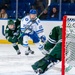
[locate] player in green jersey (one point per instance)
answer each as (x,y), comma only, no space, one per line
(12,33)
(53,48)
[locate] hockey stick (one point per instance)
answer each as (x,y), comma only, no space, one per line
(49,2)
(68,68)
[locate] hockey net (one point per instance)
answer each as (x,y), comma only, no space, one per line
(68,43)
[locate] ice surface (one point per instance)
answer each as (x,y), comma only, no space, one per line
(13,64)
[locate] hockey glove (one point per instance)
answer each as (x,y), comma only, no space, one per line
(43,38)
(16,34)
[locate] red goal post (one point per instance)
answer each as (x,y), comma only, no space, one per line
(63,44)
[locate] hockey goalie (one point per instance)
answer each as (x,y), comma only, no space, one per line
(53,47)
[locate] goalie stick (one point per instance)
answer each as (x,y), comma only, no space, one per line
(49,2)
(68,68)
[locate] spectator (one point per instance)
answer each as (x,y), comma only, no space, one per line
(54,13)
(3,14)
(5,4)
(40,5)
(72,1)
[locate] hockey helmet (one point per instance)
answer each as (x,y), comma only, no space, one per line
(11,22)
(33,11)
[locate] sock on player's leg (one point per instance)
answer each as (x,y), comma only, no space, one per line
(16,48)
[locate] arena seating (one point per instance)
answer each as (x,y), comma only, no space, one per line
(25,5)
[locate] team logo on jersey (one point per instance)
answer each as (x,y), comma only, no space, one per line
(26,19)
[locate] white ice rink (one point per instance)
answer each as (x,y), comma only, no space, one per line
(13,64)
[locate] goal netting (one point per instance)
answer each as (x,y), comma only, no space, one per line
(68,43)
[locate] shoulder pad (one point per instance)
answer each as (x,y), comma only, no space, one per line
(26,18)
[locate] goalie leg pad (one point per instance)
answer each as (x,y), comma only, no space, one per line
(43,63)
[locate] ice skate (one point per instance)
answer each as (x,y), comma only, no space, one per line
(39,71)
(18,52)
(29,51)
(32,52)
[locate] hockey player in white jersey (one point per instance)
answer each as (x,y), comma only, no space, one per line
(35,31)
